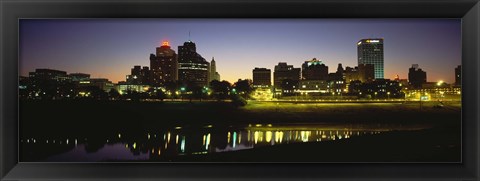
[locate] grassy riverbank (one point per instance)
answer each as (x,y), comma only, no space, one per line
(106,118)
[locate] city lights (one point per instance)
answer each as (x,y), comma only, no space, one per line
(280,101)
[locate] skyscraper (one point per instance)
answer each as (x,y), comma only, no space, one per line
(458,75)
(262,77)
(370,51)
(314,70)
(192,67)
(163,65)
(416,76)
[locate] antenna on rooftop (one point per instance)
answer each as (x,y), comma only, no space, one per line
(189,39)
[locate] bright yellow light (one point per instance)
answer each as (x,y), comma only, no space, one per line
(165,43)
(228,137)
(268,136)
(239,137)
(207,143)
(168,137)
(439,83)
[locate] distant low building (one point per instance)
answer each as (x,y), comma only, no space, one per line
(124,87)
(77,77)
(102,83)
(49,74)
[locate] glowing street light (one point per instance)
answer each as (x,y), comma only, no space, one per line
(439,83)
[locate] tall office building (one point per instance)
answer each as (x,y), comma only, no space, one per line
(416,76)
(163,65)
(262,77)
(370,51)
(192,67)
(214,75)
(314,70)
(458,75)
(286,72)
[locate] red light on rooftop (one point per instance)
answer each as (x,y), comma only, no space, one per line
(165,43)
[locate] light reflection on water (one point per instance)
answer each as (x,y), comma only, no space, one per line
(164,145)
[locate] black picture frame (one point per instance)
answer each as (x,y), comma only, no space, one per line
(11,11)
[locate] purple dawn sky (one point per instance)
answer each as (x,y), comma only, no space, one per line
(109,48)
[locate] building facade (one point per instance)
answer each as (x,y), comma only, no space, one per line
(77,77)
(262,77)
(163,65)
(49,74)
(458,75)
(370,51)
(286,75)
(314,70)
(139,75)
(416,76)
(192,67)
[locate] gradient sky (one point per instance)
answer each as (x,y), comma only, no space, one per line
(109,48)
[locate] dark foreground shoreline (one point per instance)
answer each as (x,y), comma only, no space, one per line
(439,140)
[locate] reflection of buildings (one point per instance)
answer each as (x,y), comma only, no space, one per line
(163,65)
(262,77)
(370,51)
(192,66)
(176,142)
(416,76)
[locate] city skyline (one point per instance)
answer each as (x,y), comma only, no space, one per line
(93,46)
